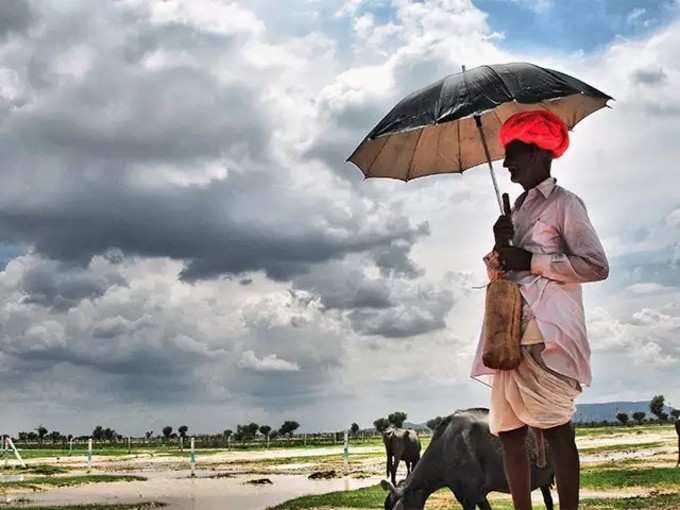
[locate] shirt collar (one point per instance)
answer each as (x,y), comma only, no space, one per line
(546,186)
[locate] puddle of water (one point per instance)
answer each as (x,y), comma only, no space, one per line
(182,492)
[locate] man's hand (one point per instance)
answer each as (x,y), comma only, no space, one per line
(515,259)
(503,231)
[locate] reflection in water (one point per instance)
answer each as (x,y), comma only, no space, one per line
(182,492)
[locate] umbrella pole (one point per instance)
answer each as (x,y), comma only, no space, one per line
(478,121)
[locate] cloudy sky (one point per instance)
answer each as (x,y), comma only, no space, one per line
(181,241)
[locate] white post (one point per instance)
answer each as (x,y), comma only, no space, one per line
(16,452)
(181,443)
(304,438)
(70,446)
(267,440)
(193,458)
(89,454)
(346,453)
(228,442)
(129,449)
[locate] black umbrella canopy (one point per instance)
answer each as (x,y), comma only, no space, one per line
(434,129)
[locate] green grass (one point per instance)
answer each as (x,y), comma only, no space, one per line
(665,501)
(134,506)
(621,447)
(368,497)
(373,498)
(37,453)
(611,430)
(597,478)
(67,481)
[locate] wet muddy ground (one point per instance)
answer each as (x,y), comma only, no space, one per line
(222,477)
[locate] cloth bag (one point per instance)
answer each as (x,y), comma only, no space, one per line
(502,317)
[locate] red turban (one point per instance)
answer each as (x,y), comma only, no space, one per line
(540,127)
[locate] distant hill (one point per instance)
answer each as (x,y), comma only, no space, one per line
(606,411)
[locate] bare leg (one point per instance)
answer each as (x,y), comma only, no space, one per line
(567,464)
(516,463)
(395,467)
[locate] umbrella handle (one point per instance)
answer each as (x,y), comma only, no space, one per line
(478,121)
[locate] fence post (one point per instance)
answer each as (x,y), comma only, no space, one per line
(193,458)
(89,454)
(346,454)
(129,449)
(10,444)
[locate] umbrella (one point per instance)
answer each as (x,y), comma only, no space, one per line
(452,125)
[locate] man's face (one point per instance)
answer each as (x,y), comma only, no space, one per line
(525,164)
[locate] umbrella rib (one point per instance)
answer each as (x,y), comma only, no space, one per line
(507,89)
(413,155)
(368,168)
(460,157)
(495,112)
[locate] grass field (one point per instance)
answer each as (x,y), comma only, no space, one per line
(373,498)
(625,468)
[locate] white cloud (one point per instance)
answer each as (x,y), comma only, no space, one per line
(268,363)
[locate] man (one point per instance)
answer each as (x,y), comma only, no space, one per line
(554,249)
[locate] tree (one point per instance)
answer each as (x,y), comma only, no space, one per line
(227,433)
(354,428)
(288,427)
(265,430)
(397,418)
(434,423)
(167,431)
(55,436)
(109,434)
(381,424)
(183,431)
(675,413)
(98,433)
(639,416)
(246,432)
(656,406)
(42,432)
(622,417)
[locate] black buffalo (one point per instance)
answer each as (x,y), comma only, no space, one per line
(465,457)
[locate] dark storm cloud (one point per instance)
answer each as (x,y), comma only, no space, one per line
(420,311)
(393,260)
(218,229)
(649,76)
(391,307)
(15,17)
(61,286)
(94,146)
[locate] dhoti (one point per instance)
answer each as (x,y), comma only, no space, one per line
(532,394)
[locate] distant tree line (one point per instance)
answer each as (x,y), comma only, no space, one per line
(657,408)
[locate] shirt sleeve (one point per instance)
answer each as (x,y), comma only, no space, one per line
(583,259)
